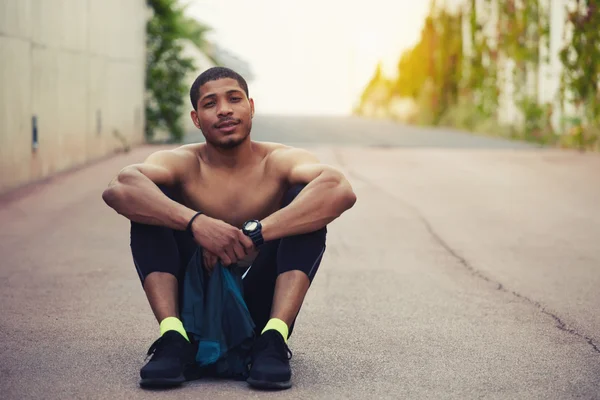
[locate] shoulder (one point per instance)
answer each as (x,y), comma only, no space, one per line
(293,164)
(284,157)
(180,159)
(182,153)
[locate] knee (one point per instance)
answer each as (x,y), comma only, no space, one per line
(292,193)
(302,252)
(314,239)
(144,234)
(289,196)
(320,235)
(167,191)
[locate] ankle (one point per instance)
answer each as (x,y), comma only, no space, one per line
(279,326)
(173,324)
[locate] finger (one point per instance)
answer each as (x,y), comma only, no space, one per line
(231,253)
(245,241)
(208,265)
(239,251)
(209,259)
(225,258)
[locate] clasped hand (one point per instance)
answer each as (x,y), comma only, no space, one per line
(220,241)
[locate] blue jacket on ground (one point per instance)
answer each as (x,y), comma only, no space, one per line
(214,312)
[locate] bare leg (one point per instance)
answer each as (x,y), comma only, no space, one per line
(290,289)
(162,291)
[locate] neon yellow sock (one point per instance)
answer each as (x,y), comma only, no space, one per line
(173,324)
(279,326)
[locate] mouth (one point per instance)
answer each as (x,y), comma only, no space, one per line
(227,124)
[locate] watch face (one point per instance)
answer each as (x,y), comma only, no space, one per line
(250,226)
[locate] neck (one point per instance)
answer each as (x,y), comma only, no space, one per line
(230,158)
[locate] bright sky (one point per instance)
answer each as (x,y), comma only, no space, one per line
(312,56)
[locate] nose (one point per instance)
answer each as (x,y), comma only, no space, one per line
(224,109)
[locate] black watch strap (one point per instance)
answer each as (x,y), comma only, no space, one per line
(257,238)
(256,234)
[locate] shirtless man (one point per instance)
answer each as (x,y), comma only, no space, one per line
(262,205)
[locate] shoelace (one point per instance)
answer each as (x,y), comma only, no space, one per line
(154,348)
(288,351)
(265,344)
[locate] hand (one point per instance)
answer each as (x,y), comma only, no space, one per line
(221,239)
(209,260)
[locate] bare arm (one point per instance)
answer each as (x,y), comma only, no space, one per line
(326,196)
(134,193)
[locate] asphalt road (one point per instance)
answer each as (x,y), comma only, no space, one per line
(469,268)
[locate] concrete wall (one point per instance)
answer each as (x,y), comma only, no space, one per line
(78,67)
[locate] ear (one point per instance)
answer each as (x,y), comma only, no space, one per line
(251,107)
(195,119)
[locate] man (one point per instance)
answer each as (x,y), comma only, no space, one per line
(260,205)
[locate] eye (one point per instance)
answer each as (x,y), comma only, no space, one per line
(236,98)
(209,104)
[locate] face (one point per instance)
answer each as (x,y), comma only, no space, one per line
(224,113)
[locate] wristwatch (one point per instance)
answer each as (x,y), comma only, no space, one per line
(253,229)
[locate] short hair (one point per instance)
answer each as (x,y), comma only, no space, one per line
(213,74)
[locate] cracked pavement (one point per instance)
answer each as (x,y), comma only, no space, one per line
(469,268)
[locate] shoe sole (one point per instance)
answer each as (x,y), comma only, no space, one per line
(162,382)
(259,384)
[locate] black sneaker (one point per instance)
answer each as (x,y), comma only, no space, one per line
(171,354)
(270,362)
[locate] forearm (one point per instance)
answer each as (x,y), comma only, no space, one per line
(137,198)
(319,203)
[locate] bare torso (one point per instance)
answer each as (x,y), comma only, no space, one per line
(234,195)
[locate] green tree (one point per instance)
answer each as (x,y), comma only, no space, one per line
(166,67)
(581,74)
(431,71)
(376,95)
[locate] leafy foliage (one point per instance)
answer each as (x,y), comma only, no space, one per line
(377,92)
(581,74)
(481,65)
(166,67)
(459,84)
(433,64)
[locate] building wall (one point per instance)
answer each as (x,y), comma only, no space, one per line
(549,74)
(77,67)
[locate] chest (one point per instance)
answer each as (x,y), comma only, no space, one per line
(234,198)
